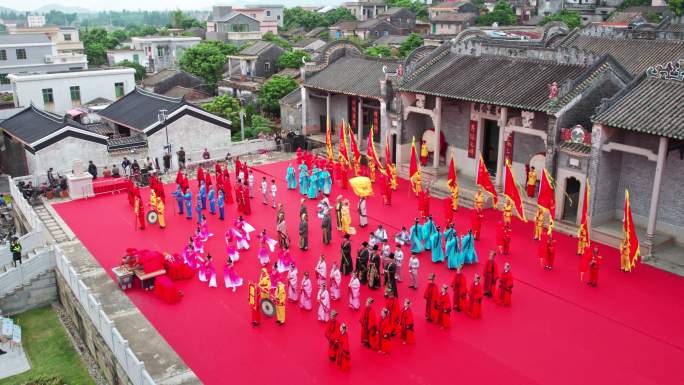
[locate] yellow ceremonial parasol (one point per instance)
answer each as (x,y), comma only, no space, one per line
(362,186)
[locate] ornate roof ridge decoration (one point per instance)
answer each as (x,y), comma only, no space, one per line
(668,71)
(327,52)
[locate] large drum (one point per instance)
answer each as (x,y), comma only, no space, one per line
(152,217)
(267,307)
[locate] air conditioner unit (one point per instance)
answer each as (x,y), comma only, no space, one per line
(48,59)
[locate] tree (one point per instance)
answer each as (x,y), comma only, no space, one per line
(502,15)
(205,61)
(139,69)
(226,48)
(299,17)
(379,51)
(338,14)
(571,18)
(273,90)
(97,54)
(55,17)
(292,59)
(414,41)
(119,34)
(418,7)
(258,126)
(676,6)
(277,40)
(633,3)
(227,107)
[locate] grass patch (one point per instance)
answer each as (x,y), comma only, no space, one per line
(49,350)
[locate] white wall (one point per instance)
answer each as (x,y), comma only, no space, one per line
(115,57)
(194,135)
(93,84)
(61,155)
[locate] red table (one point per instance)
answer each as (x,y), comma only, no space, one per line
(166,290)
(105,185)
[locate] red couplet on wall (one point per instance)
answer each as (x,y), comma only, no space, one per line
(472,138)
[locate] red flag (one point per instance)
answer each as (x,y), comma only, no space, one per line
(388,151)
(485,181)
(630,232)
(546,199)
(372,154)
(414,170)
(512,192)
(355,151)
(328,141)
(584,219)
(451,181)
(343,156)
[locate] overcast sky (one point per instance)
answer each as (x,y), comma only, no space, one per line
(24,5)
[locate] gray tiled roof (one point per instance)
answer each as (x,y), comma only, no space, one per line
(138,109)
(32,124)
(256,49)
(390,40)
(352,76)
(293,98)
(636,55)
(650,105)
(24,38)
(505,81)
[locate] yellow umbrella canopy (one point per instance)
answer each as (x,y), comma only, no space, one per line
(361,186)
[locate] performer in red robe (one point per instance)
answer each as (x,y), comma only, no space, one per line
(594,266)
(476,218)
(387,189)
(131,192)
(140,212)
(407,332)
(227,188)
(345,177)
(430,296)
(179,177)
(444,306)
(332,334)
(475,298)
(246,206)
(424,203)
(219,181)
(392,305)
(239,194)
(584,263)
(550,255)
(207,179)
(300,155)
(491,274)
(238,166)
(448,211)
(386,329)
(200,176)
(460,287)
(217,169)
(368,325)
(186,184)
(505,287)
(343,362)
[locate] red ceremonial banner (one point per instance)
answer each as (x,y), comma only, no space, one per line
(472,139)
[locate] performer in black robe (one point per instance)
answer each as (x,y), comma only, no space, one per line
(346,261)
(374,270)
(326,228)
(390,276)
(362,262)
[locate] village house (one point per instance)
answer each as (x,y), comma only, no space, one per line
(163,51)
(249,68)
(402,18)
(366,9)
(369,29)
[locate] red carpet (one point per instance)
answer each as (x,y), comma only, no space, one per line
(626,331)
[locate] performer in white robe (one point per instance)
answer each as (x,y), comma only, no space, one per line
(305,292)
(355,292)
(292,293)
(323,298)
(363,213)
(321,271)
(335,282)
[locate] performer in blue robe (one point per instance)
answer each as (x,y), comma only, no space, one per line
(198,210)
(203,195)
(179,199)
(416,237)
(437,249)
(327,182)
(428,229)
(448,234)
(313,185)
(453,251)
(303,179)
(468,254)
(212,200)
(187,198)
(221,204)
(291,178)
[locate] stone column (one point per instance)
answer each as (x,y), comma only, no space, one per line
(551,146)
(359,122)
(597,137)
(305,102)
(655,196)
(327,110)
(384,123)
(437,120)
(503,118)
(230,67)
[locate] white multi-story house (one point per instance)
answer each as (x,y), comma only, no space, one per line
(366,9)
(34,53)
(62,91)
(66,38)
(116,56)
(35,20)
(163,51)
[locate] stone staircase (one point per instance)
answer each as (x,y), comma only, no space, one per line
(53,227)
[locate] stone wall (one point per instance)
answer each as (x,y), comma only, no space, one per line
(456,123)
(606,185)
(42,291)
(97,348)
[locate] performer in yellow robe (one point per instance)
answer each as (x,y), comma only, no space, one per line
(507,211)
(479,199)
(417,182)
(280,299)
(153,200)
(265,284)
(371,168)
(160,214)
(392,170)
(538,224)
(582,241)
(454,198)
(346,217)
(625,264)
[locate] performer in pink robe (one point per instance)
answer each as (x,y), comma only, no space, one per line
(232,252)
(265,244)
(230,276)
(321,271)
(208,272)
(355,291)
(275,276)
(198,244)
(285,260)
(335,281)
(305,292)
(245,227)
(292,283)
(204,230)
(323,298)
